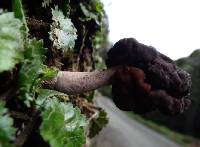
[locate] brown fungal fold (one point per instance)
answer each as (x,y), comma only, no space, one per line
(149,81)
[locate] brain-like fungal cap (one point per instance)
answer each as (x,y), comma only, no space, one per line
(169,85)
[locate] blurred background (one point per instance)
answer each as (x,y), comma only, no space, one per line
(172,27)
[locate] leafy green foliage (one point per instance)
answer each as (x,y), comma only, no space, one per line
(63,32)
(63,5)
(45,94)
(92,11)
(62,124)
(98,123)
(46,3)
(48,73)
(101,41)
(7,132)
(11,41)
(19,13)
(33,71)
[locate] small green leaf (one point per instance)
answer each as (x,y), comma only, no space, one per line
(35,50)
(63,32)
(7,132)
(44,94)
(19,13)
(92,11)
(98,123)
(89,14)
(62,125)
(11,41)
(48,72)
(46,3)
(33,71)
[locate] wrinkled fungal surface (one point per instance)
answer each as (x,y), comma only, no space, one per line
(149,79)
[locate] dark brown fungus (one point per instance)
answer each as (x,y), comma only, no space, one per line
(143,79)
(149,79)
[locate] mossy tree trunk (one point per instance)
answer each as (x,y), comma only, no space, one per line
(88,19)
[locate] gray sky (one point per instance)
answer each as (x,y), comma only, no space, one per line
(171,26)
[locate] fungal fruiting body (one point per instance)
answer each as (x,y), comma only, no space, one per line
(142,79)
(149,79)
